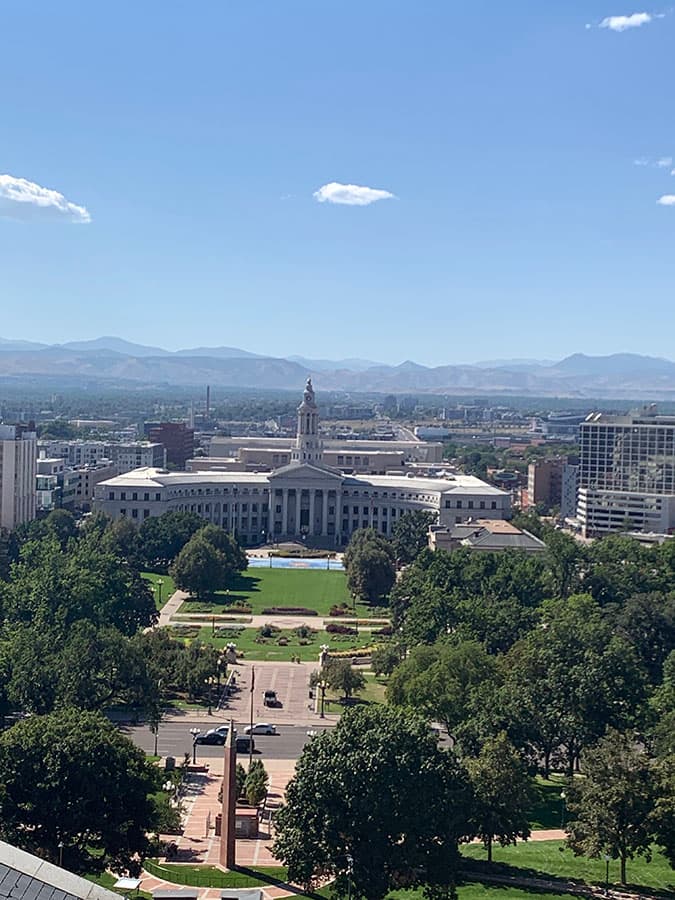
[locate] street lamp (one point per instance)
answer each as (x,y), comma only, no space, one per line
(322,685)
(159,590)
(607,858)
(350,872)
(562,813)
(194,732)
(210,681)
(60,846)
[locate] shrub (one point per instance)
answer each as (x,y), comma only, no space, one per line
(268,630)
(288,611)
(282,641)
(341,610)
(337,628)
(304,631)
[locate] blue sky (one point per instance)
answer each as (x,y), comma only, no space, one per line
(195,135)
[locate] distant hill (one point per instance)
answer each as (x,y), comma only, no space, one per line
(618,376)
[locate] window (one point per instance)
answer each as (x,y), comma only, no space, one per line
(365,511)
(459,504)
(146,513)
(134,496)
(111,495)
(123,512)
(355,510)
(458,518)
(470,504)
(134,513)
(447,504)
(277,509)
(482,504)
(123,495)
(146,496)
(494,504)
(331,510)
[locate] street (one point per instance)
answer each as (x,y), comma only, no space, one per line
(174,739)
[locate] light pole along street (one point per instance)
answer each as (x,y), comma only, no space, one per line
(194,732)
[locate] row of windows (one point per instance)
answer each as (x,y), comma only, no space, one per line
(471,505)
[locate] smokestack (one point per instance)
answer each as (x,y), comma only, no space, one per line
(208,400)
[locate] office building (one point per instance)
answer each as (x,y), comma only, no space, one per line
(18,455)
(124,455)
(177,439)
(627,473)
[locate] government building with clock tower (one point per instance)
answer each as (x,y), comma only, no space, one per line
(304,499)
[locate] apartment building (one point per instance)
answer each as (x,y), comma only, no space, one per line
(18,455)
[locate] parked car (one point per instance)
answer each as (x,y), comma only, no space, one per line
(260,728)
(270,698)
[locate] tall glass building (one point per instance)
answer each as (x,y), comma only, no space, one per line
(627,473)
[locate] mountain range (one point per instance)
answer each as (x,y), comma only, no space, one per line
(112,359)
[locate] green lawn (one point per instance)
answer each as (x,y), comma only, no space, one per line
(168,587)
(106,880)
(547,812)
(210,876)
(261,588)
(553,858)
(269,649)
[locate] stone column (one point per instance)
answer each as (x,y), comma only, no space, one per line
(324,514)
(298,499)
(312,499)
(284,511)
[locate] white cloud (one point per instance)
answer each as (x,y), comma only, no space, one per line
(666,200)
(350,194)
(26,201)
(623,23)
(642,161)
(665,162)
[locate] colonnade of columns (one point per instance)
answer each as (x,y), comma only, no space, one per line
(291,508)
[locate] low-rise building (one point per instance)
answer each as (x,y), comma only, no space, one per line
(490,535)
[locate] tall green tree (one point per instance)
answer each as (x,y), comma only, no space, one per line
(502,794)
(71,777)
(341,676)
(163,537)
(410,535)
(371,575)
(200,568)
(442,681)
(376,790)
(611,808)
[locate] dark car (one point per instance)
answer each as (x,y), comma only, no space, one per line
(245,744)
(211,737)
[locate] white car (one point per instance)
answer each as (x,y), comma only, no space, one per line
(260,728)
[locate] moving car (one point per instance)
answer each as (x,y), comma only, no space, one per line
(214,735)
(245,744)
(260,728)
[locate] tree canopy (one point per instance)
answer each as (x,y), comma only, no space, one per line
(376,790)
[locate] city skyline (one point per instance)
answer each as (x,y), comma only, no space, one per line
(174,176)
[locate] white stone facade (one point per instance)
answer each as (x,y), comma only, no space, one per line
(303,500)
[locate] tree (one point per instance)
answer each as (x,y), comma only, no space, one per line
(199,568)
(371,574)
(441,681)
(410,534)
(255,783)
(72,777)
(647,621)
(236,560)
(379,790)
(342,676)
(163,537)
(384,659)
(502,794)
(611,808)
(571,678)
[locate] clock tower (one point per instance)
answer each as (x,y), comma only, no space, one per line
(308,446)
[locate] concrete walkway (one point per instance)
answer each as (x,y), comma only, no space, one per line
(171,607)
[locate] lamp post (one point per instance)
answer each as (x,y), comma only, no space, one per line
(194,732)
(562,813)
(350,872)
(607,858)
(60,846)
(210,684)
(322,685)
(159,590)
